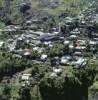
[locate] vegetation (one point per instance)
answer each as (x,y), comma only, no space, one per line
(24,93)
(10,64)
(58,49)
(50,88)
(71,83)
(12,11)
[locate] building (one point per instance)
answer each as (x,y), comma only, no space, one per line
(26,79)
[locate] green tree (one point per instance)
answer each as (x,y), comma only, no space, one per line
(7,92)
(24,93)
(72,85)
(56,50)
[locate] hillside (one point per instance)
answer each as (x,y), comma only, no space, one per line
(48,49)
(10,11)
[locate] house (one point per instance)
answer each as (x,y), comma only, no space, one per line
(73,36)
(11,47)
(28,22)
(65,60)
(55,32)
(53,75)
(19,40)
(35,48)
(10,30)
(81,42)
(75,32)
(77,53)
(47,42)
(80,62)
(38,49)
(66,42)
(79,48)
(71,46)
(68,20)
(11,44)
(43,57)
(1,43)
(27,53)
(37,21)
(26,79)
(39,33)
(93,43)
(19,51)
(17,56)
(41,50)
(51,37)
(50,45)
(57,70)
(17,27)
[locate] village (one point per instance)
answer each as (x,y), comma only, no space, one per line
(73,44)
(80,43)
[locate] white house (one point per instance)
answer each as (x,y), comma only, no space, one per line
(57,71)
(92,42)
(79,62)
(1,43)
(43,57)
(27,53)
(66,42)
(26,79)
(53,75)
(65,59)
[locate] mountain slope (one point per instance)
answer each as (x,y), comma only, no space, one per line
(10,10)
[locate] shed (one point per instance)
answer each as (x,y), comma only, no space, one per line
(25,77)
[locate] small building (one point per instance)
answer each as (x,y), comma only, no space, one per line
(71,46)
(75,32)
(57,71)
(66,42)
(53,75)
(80,62)
(80,48)
(93,43)
(1,43)
(26,79)
(44,57)
(77,53)
(35,48)
(68,20)
(65,60)
(27,53)
(81,42)
(73,36)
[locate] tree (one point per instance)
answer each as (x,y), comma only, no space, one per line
(39,70)
(72,85)
(7,92)
(24,93)
(56,50)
